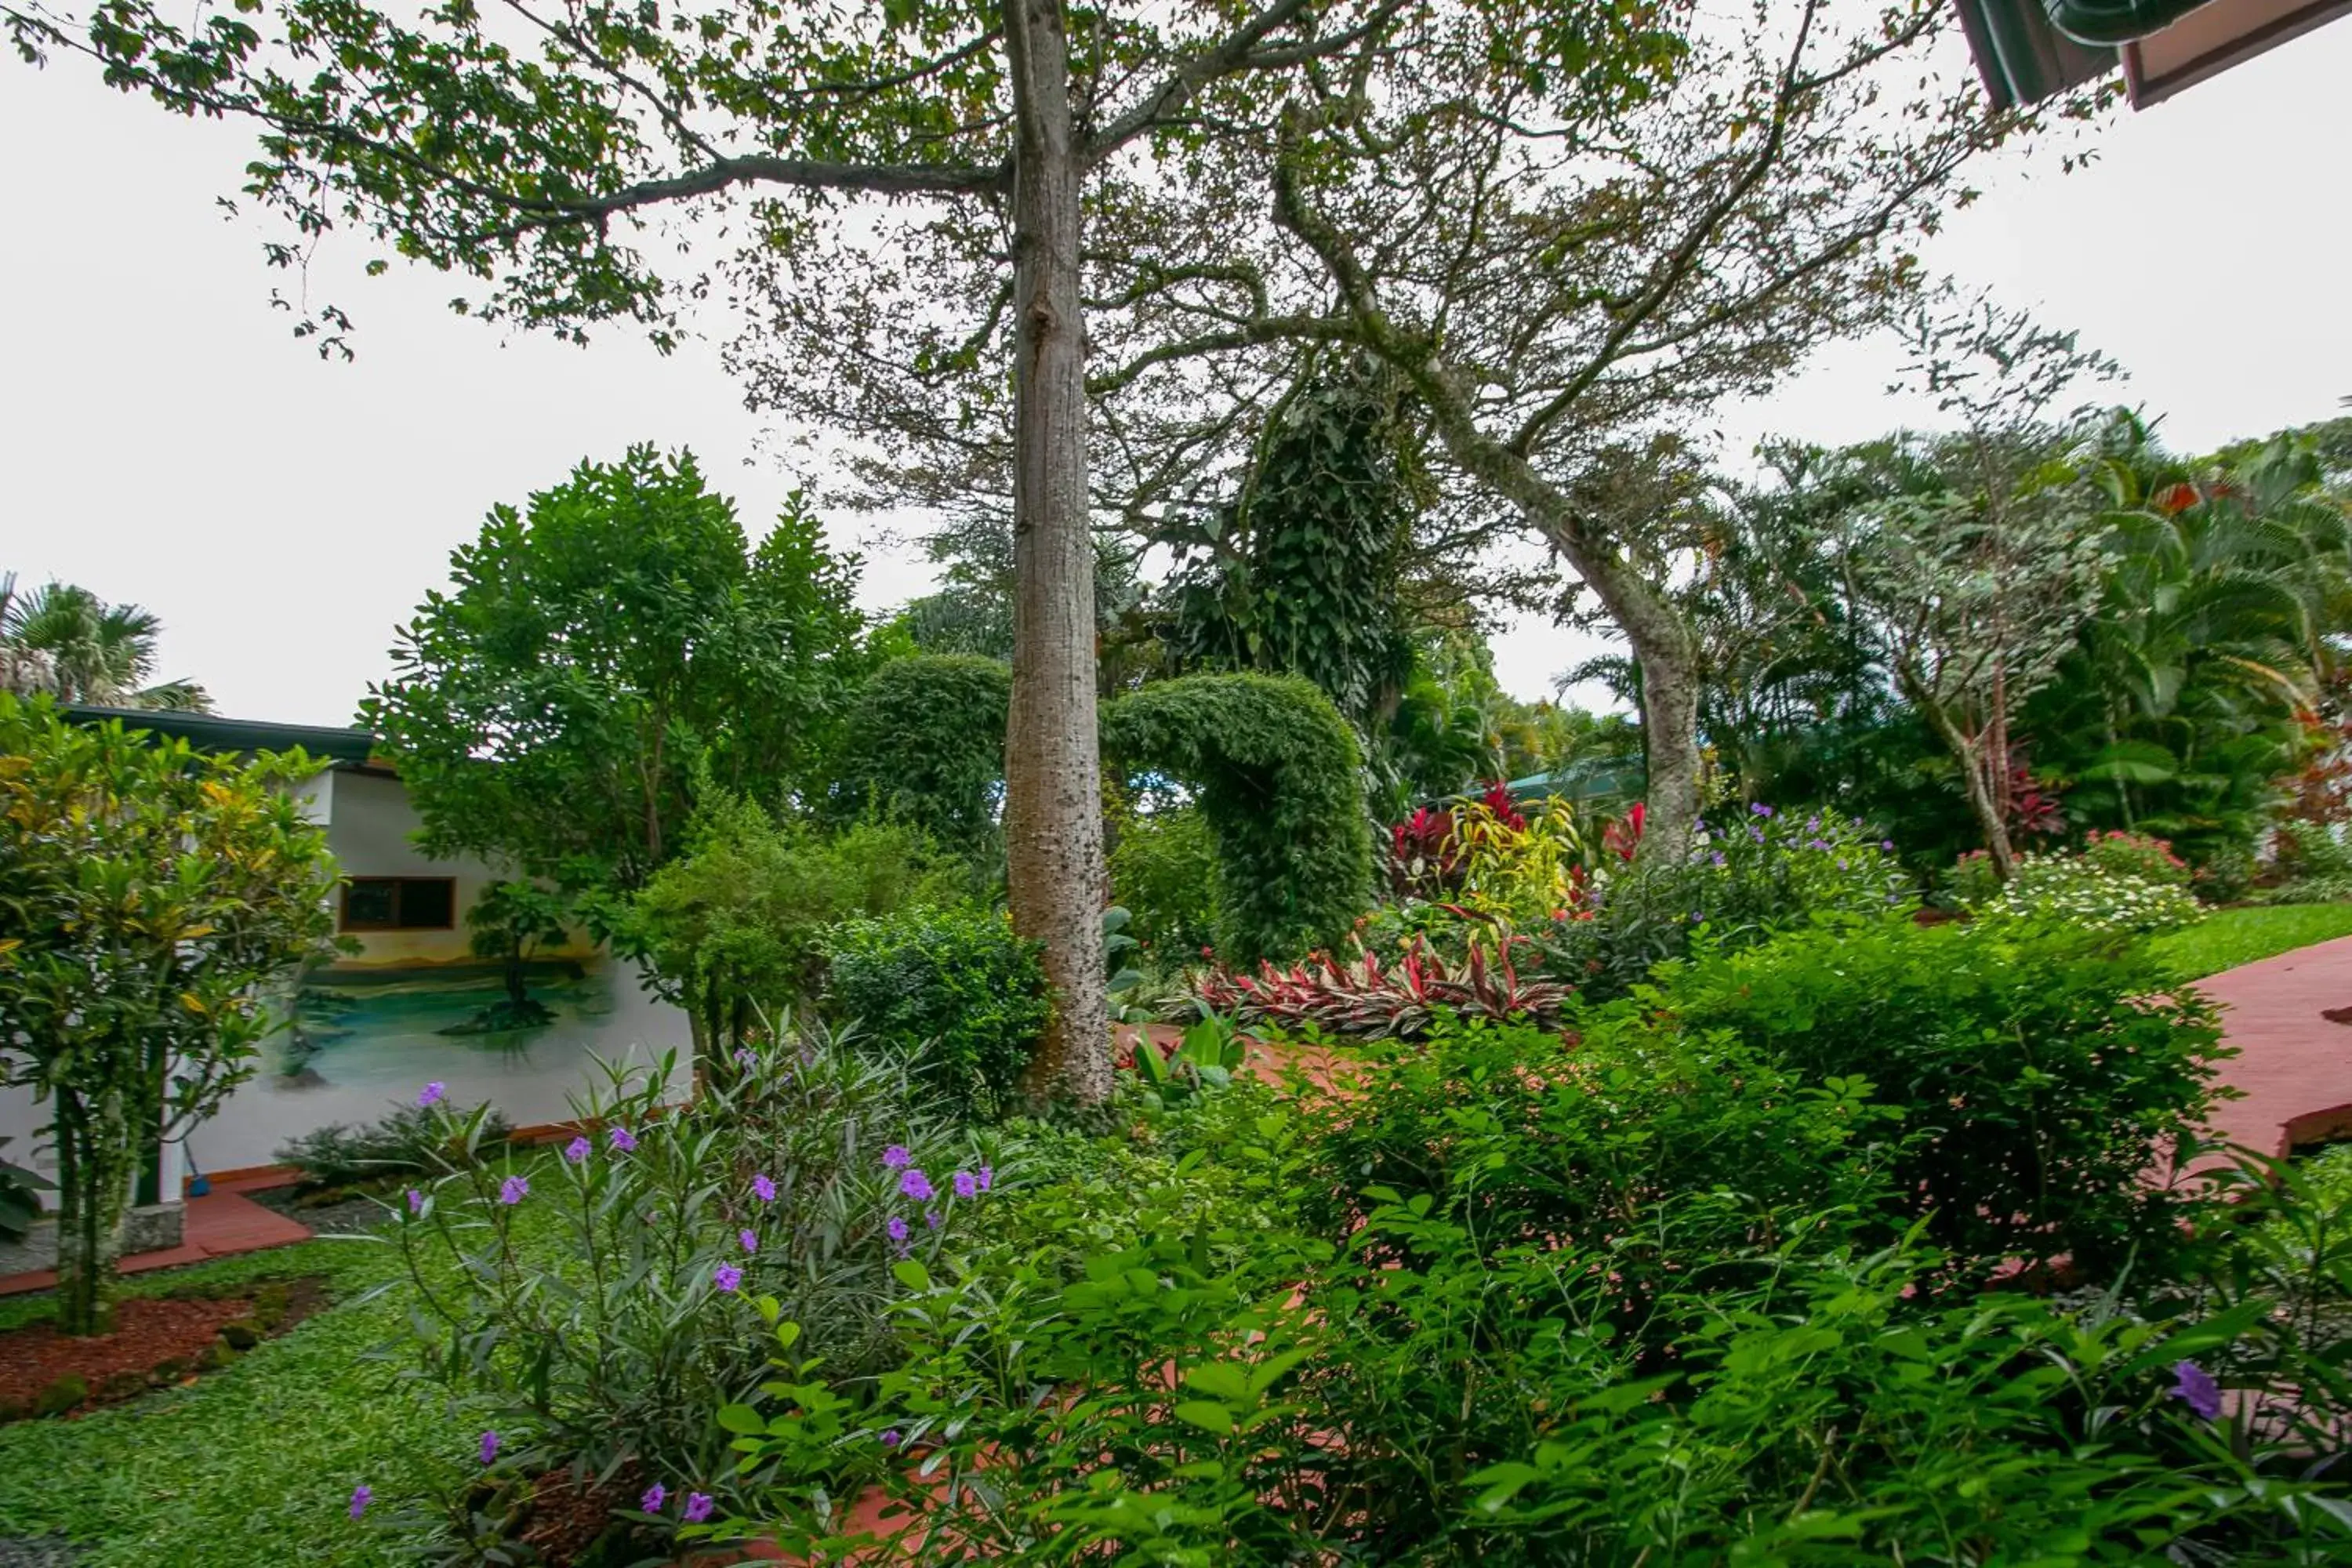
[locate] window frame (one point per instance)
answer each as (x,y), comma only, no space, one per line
(344,921)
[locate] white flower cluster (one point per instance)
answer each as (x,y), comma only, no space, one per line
(2069,888)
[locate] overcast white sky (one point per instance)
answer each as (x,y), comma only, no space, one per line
(163,440)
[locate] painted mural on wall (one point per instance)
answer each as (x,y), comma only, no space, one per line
(363,1039)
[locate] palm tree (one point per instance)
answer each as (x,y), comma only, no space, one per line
(67,642)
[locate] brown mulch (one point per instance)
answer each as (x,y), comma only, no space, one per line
(147,1334)
(156,1340)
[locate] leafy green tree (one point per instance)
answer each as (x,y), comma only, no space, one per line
(1972,590)
(506,923)
(72,644)
(2181,703)
(152,897)
(1570,254)
(604,651)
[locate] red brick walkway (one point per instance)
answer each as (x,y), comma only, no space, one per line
(220,1224)
(2293,1066)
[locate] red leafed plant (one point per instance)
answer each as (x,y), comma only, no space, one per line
(1366,1000)
(2033,811)
(1622,838)
(1424,855)
(1498,799)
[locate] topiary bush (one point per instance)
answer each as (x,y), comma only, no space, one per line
(1277,775)
(924,744)
(955,987)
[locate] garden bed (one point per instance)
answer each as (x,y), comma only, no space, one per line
(156,1342)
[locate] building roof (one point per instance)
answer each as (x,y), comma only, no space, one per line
(210,732)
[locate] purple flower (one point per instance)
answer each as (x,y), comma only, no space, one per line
(966,1185)
(896,1158)
(656,1495)
(622,1141)
(1812,825)
(987,1177)
(745,1059)
(2195,1387)
(1717,858)
(1887,845)
(728,1278)
(1817,844)
(751,1242)
(697,1506)
(892,1439)
(415,1200)
(763,1189)
(1759,808)
(1757,834)
(361,1497)
(489,1447)
(1841,862)
(896,1228)
(513,1190)
(914,1185)
(576,1151)
(931,1218)
(431,1094)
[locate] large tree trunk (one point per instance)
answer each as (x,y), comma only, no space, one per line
(1053,766)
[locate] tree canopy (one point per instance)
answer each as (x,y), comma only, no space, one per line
(609,651)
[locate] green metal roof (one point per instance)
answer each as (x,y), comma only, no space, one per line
(210,732)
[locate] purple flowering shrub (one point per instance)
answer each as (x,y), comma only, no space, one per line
(1751,871)
(596,1306)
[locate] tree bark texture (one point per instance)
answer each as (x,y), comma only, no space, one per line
(1053,764)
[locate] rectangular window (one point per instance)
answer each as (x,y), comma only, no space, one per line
(400,903)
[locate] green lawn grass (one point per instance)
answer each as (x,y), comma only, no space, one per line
(2227,938)
(254,1464)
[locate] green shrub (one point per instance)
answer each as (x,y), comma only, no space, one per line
(2040,1070)
(1747,876)
(410,1139)
(2140,854)
(955,987)
(1163,871)
(1448,1379)
(1277,776)
(598,1306)
(738,923)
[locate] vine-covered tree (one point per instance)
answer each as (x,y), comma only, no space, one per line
(606,652)
(151,898)
(1304,573)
